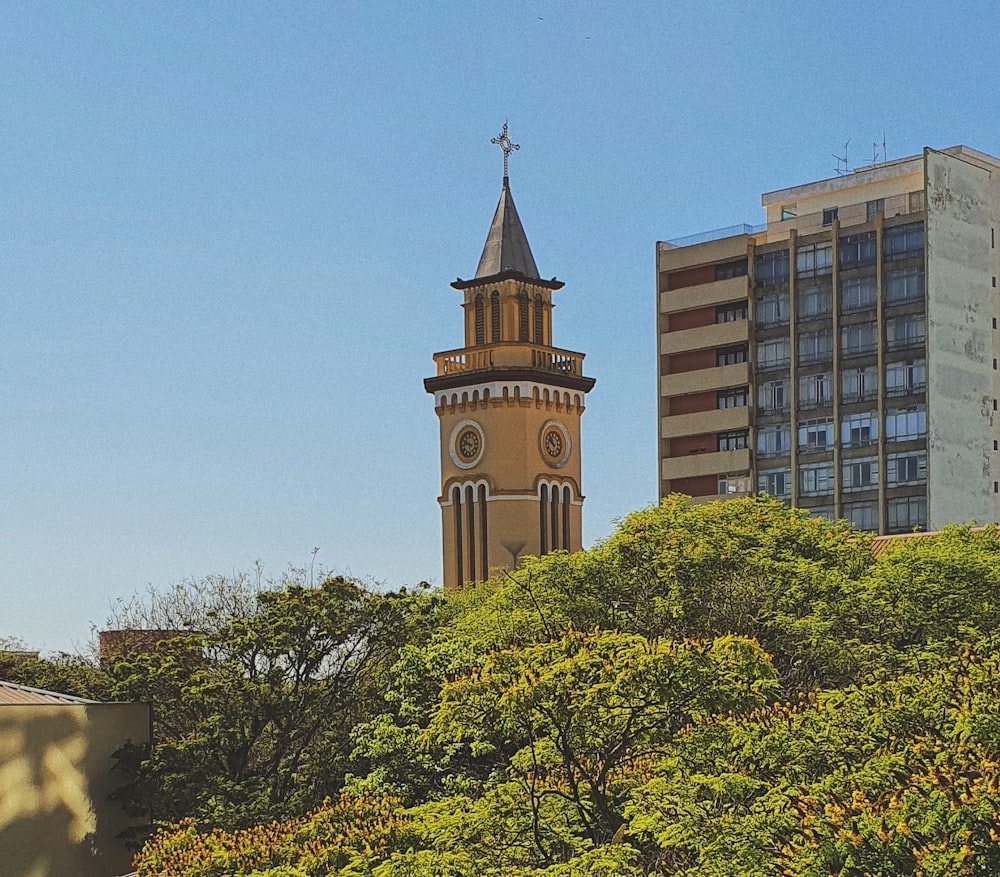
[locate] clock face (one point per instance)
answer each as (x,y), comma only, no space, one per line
(468,444)
(554,443)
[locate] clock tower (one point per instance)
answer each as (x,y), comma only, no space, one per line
(509,407)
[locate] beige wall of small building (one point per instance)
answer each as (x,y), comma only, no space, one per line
(56,760)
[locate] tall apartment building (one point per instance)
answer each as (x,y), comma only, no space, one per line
(843,356)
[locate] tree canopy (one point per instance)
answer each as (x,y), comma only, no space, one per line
(723,689)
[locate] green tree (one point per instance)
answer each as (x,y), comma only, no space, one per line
(569,716)
(252,719)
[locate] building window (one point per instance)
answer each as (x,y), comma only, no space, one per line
(731,269)
(904,242)
(815,479)
(815,346)
(903,378)
(905,285)
(814,301)
(788,211)
(903,332)
(906,424)
(916,200)
(734,398)
(775,482)
(771,269)
(857,339)
(772,354)
(731,313)
(772,397)
(495,316)
(907,513)
(872,209)
(822,511)
(732,441)
(733,484)
(480,325)
(814,390)
(857,250)
(539,321)
(731,355)
(774,441)
(906,469)
(816,435)
(771,310)
(859,430)
(813,260)
(522,317)
(829,215)
(859,474)
(858,384)
(862,515)
(858,293)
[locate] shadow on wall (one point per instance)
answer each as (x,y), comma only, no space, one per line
(56,776)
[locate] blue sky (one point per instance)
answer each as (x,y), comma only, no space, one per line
(227,232)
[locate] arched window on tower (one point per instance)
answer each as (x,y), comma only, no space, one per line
(470,510)
(456,501)
(556,531)
(480,320)
(543,528)
(539,321)
(565,518)
(495,316)
(484,559)
(522,316)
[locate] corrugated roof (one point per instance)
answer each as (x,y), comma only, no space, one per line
(880,543)
(11,693)
(506,246)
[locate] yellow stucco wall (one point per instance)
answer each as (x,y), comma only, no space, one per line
(56,776)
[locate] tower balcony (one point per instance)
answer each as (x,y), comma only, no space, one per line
(509,355)
(510,359)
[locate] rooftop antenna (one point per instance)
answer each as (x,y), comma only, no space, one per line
(842,166)
(885,156)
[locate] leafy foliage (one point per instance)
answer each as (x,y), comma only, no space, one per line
(727,689)
(260,707)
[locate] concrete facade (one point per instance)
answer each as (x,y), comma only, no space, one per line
(843,357)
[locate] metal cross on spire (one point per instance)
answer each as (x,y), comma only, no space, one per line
(503,141)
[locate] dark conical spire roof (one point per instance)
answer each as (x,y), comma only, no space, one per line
(507,245)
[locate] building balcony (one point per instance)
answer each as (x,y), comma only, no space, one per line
(511,360)
(704,379)
(695,465)
(509,355)
(713,335)
(701,422)
(716,292)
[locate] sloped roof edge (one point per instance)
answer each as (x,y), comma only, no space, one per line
(11,693)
